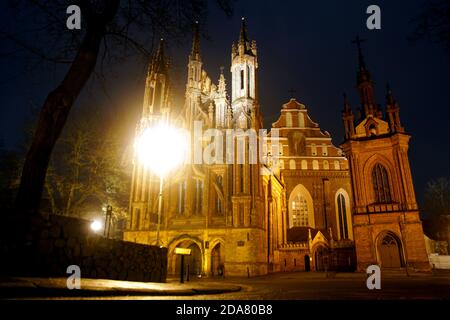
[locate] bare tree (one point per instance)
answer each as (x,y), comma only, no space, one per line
(111,29)
(86,171)
(434,22)
(437,198)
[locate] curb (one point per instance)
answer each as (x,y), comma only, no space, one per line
(24,289)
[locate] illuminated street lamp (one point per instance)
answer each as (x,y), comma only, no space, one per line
(96,225)
(161,148)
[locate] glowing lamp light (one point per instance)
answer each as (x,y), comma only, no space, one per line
(96,225)
(161,148)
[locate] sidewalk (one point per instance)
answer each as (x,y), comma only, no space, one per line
(57,287)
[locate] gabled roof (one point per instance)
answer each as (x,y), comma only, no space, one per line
(301,234)
(293,105)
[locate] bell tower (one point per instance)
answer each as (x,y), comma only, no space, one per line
(244,87)
(386,222)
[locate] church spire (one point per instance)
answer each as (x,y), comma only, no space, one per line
(243,34)
(157,88)
(348,119)
(244,44)
(159,60)
(195,52)
(365,83)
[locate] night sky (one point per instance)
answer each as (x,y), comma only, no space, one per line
(305,45)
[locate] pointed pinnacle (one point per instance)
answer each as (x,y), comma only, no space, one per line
(243,35)
(389,96)
(346,104)
(159,61)
(196,40)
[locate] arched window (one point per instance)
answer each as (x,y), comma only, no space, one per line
(304,165)
(292,165)
(337,165)
(342,214)
(299,211)
(301,208)
(288,120)
(380,182)
(326,165)
(301,120)
(315,165)
(313,150)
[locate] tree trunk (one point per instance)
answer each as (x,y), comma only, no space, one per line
(55,111)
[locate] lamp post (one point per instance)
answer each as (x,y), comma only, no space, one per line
(161,148)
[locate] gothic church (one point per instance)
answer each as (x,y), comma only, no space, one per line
(321,207)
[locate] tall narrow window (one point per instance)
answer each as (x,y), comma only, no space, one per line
(181,196)
(342,213)
(251,179)
(313,150)
(248,81)
(219,210)
(301,120)
(241,177)
(242,79)
(198,205)
(380,182)
(289,120)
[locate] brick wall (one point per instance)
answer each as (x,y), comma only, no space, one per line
(45,247)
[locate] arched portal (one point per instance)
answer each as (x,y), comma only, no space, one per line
(390,253)
(321,262)
(193,262)
(217,260)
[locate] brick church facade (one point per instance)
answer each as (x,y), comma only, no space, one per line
(311,206)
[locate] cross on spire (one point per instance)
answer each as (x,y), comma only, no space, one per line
(292,91)
(358,41)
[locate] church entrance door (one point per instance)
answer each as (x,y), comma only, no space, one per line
(193,262)
(390,252)
(307,264)
(321,259)
(217,260)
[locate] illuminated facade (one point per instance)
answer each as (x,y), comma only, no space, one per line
(286,212)
(386,220)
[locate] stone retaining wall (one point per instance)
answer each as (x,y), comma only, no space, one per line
(45,247)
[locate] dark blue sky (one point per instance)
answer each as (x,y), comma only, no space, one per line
(305,45)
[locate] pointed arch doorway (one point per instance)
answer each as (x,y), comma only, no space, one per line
(390,251)
(193,262)
(217,260)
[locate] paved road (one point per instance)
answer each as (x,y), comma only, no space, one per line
(315,286)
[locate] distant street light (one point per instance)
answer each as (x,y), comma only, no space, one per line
(96,225)
(161,148)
